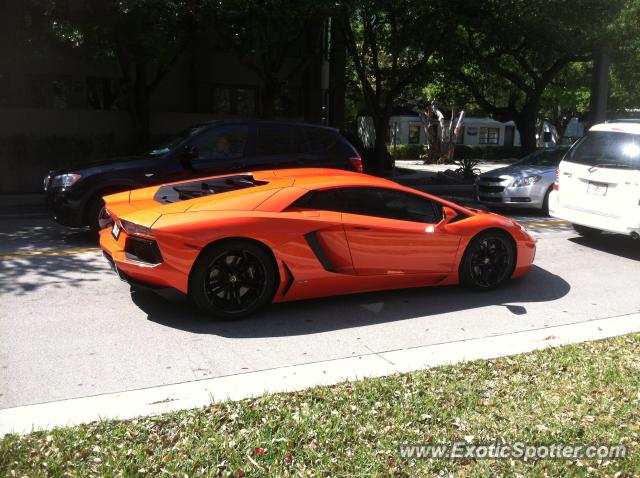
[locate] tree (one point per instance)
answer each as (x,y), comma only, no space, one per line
(507,53)
(144,38)
(391,43)
(624,91)
(275,39)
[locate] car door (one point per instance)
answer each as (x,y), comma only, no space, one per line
(394,232)
(219,150)
(272,147)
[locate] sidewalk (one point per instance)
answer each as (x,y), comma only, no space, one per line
(198,393)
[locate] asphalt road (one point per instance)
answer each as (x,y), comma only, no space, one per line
(69,328)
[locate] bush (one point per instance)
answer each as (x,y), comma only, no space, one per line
(487,153)
(407,151)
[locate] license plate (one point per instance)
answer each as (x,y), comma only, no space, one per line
(598,189)
(115,231)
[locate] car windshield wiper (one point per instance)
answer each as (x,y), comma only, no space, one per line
(609,165)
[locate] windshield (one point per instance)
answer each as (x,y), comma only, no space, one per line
(548,157)
(607,149)
(166,146)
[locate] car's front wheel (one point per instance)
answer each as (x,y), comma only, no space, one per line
(233,279)
(586,231)
(488,261)
(97,216)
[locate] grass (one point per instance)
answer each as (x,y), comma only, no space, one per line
(587,393)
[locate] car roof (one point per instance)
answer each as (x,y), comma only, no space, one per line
(620,127)
(233,121)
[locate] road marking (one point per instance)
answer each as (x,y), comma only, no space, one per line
(9,256)
(180,396)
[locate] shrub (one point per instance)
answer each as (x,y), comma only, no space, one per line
(487,153)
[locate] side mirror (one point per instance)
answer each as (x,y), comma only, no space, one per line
(188,154)
(448,215)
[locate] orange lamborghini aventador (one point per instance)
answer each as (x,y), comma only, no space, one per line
(237,242)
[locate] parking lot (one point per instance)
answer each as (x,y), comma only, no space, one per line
(71,329)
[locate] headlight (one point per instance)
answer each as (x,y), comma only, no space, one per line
(135,229)
(526,181)
(65,180)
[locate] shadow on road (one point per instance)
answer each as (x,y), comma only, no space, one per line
(616,244)
(336,313)
(25,274)
(21,235)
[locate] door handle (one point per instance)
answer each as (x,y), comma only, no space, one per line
(361,228)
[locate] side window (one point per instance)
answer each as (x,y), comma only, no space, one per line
(221,143)
(320,139)
(273,140)
(376,202)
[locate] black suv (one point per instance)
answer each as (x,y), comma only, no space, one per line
(74,195)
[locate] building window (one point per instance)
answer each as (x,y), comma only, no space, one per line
(489,135)
(414,134)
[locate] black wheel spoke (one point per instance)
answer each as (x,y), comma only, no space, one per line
(490,261)
(237,280)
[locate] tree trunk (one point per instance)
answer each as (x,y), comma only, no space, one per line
(526,123)
(381,124)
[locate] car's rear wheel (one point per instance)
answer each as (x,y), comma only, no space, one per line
(488,261)
(233,279)
(586,231)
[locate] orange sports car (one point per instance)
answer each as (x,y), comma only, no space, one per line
(234,243)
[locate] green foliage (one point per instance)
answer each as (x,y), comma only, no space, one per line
(391,44)
(584,393)
(407,151)
(506,54)
(467,167)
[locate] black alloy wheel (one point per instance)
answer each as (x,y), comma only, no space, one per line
(234,280)
(488,261)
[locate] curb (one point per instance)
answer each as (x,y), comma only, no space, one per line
(167,398)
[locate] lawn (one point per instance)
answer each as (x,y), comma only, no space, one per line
(587,393)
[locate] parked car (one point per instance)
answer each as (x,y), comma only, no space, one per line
(74,195)
(598,181)
(524,184)
(235,243)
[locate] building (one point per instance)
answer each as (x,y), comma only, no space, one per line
(59,106)
(408,129)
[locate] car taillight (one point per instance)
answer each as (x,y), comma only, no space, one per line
(356,162)
(556,183)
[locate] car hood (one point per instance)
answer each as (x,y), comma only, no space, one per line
(520,170)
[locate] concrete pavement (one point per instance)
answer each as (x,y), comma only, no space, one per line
(70,329)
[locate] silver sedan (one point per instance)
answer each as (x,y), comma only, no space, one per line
(525,184)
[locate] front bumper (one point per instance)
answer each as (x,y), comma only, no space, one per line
(64,209)
(497,194)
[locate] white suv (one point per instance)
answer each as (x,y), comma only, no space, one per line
(598,182)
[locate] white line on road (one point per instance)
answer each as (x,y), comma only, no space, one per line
(165,398)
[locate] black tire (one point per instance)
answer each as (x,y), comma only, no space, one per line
(586,231)
(545,203)
(97,217)
(488,261)
(233,279)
